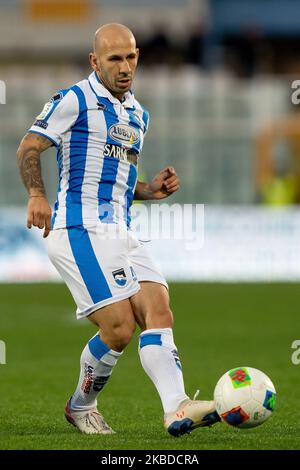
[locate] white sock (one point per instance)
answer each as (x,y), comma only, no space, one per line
(96,365)
(160,361)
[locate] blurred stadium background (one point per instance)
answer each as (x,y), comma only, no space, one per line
(213,74)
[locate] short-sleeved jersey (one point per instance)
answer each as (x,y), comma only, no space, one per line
(98,140)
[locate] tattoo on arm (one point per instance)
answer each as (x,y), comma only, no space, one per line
(29,162)
(30,169)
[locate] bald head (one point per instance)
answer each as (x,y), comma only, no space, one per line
(115,57)
(110,35)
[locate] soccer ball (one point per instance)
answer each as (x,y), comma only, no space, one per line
(244,397)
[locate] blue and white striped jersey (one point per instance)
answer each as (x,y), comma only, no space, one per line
(98,142)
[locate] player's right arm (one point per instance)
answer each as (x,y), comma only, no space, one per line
(56,118)
(28,156)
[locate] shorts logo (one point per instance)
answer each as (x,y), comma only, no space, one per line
(134,276)
(124,134)
(120,277)
(240,377)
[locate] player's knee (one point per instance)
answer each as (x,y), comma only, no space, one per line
(161,318)
(121,335)
(125,335)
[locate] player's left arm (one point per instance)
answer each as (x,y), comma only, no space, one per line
(164,184)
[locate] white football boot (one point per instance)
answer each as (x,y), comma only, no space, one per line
(88,422)
(191,414)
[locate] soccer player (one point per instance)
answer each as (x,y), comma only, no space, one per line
(98,128)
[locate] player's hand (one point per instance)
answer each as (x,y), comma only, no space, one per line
(165,183)
(39,214)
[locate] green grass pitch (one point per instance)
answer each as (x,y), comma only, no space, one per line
(217,327)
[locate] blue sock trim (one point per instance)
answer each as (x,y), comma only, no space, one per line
(97,347)
(150,339)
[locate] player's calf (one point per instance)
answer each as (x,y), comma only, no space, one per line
(96,365)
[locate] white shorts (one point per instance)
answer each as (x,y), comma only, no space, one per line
(99,267)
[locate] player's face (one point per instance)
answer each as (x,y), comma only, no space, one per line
(116,65)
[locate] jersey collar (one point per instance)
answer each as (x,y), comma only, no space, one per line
(101,90)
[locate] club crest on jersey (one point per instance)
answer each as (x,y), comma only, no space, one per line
(124,133)
(120,277)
